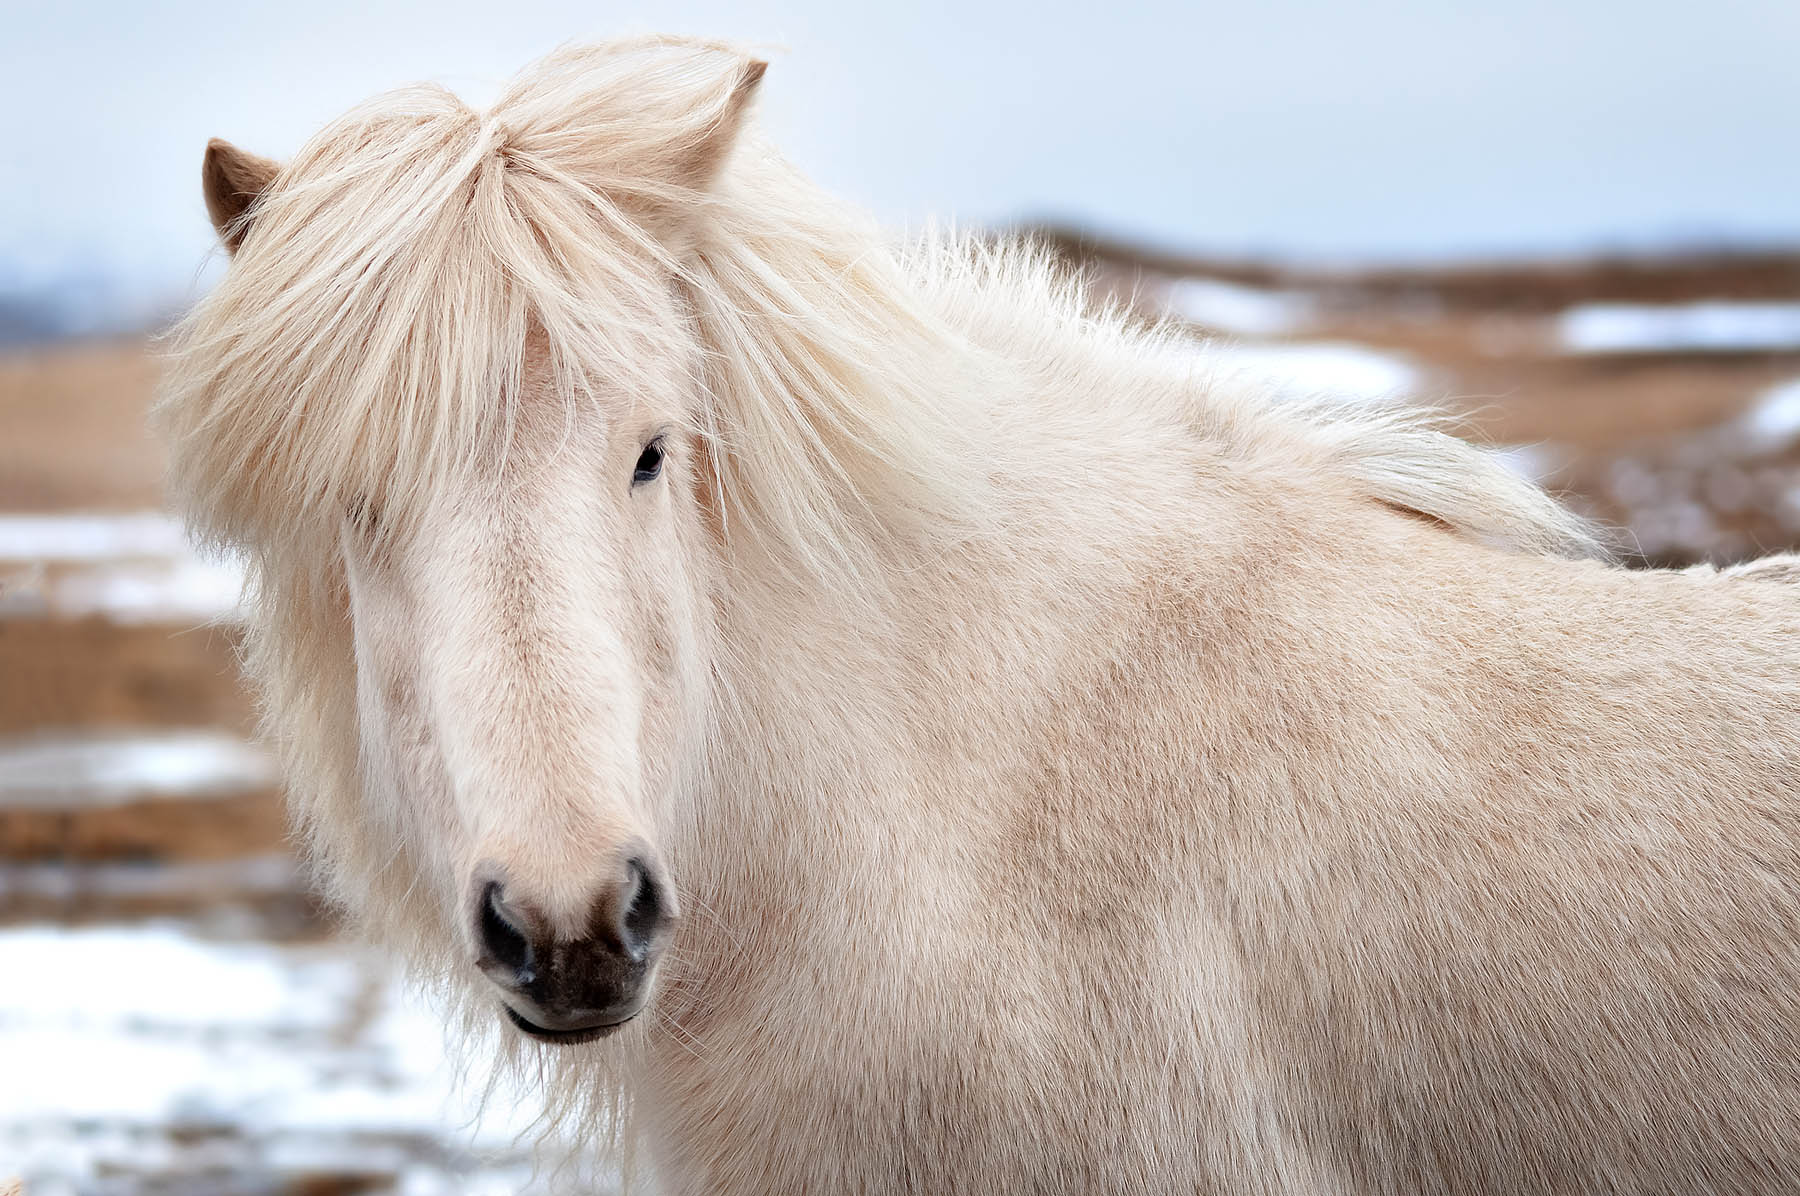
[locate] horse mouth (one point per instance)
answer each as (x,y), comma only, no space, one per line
(568,1037)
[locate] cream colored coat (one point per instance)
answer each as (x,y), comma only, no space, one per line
(1078,775)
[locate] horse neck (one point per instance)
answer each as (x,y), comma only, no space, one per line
(834,725)
(836,735)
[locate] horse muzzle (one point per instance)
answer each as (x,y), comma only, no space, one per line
(572,990)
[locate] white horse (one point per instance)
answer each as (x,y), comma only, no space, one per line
(858,721)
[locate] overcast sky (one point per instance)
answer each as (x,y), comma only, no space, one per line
(1374,129)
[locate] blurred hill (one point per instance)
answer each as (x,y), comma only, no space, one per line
(75,302)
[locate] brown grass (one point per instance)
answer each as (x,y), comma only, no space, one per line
(74,428)
(91,673)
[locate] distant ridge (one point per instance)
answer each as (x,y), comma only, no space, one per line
(1527,284)
(75,307)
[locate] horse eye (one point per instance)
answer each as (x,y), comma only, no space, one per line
(649,463)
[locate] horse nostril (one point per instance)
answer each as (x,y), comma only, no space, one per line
(501,940)
(642,912)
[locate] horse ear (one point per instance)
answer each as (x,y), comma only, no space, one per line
(232,179)
(699,160)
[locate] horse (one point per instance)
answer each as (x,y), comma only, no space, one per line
(841,715)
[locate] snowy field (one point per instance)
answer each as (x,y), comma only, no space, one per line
(131,568)
(160,1056)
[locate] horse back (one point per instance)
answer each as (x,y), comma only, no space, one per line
(1510,848)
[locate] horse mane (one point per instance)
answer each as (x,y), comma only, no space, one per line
(368,342)
(1396,453)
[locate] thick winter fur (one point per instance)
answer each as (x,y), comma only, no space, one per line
(1077,776)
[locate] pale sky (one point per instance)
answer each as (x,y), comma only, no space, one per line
(1302,128)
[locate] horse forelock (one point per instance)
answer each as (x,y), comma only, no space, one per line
(368,344)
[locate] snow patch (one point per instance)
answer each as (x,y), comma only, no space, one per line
(184,590)
(149,1050)
(70,980)
(1318,369)
(1238,309)
(1716,326)
(1774,423)
(111,770)
(131,568)
(90,537)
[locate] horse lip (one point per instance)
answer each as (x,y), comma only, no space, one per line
(568,1037)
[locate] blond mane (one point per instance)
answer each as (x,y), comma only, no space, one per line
(370,340)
